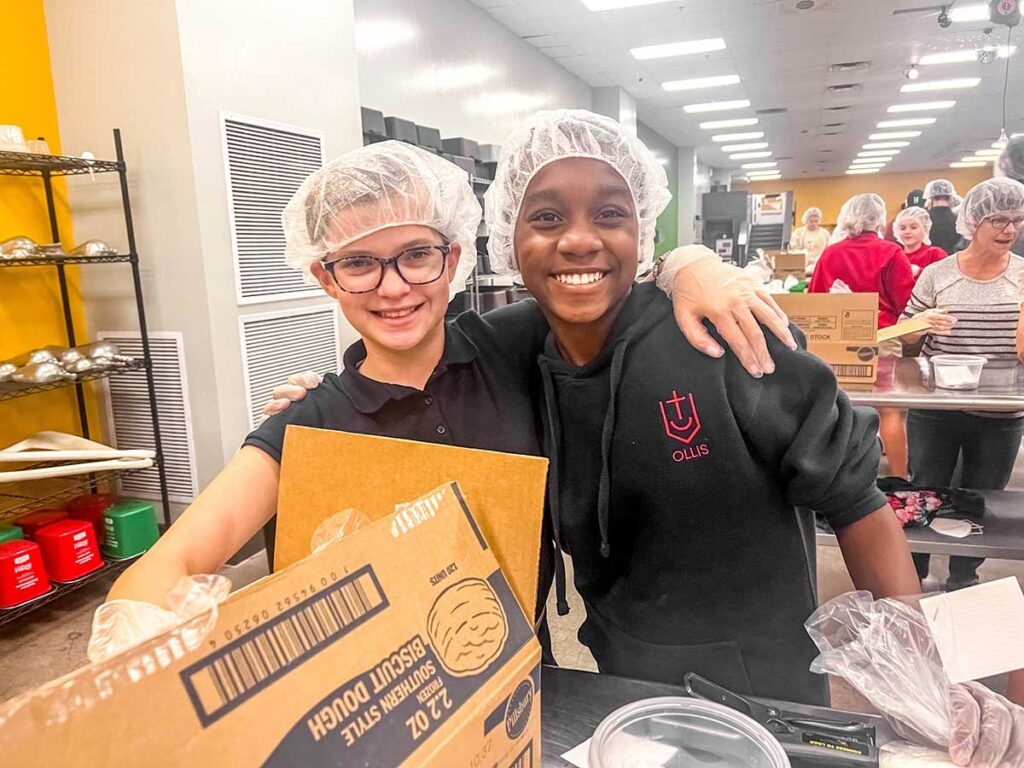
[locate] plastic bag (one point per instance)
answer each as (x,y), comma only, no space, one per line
(885,650)
(336,527)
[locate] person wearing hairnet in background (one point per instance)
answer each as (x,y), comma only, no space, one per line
(811,237)
(980,287)
(389,232)
(915,199)
(679,569)
(912,227)
(940,200)
(1011,165)
(863,261)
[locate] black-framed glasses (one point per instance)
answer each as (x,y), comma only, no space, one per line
(1002,222)
(419,265)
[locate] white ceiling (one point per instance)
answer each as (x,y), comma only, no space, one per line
(783,56)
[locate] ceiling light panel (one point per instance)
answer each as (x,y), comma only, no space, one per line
(975,12)
(745,147)
(753,166)
(687,48)
(886,145)
(697,83)
(907,122)
(611,5)
(941,85)
(922,106)
(894,135)
(878,153)
(962,164)
(725,138)
(988,152)
(739,122)
(857,171)
(749,155)
(964,56)
(717,106)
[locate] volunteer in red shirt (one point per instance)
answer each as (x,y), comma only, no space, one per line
(865,263)
(861,259)
(912,227)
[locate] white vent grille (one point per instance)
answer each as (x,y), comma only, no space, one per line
(131,425)
(266,162)
(278,344)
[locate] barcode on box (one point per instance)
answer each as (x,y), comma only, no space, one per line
(235,673)
(524,759)
(852,370)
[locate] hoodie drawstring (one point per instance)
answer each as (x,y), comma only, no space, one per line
(607,432)
(548,420)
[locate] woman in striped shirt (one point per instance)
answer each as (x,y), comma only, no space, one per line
(973,304)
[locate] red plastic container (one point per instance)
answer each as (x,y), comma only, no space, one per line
(90,508)
(22,573)
(33,521)
(69,549)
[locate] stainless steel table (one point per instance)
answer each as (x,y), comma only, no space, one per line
(907,382)
(1002,539)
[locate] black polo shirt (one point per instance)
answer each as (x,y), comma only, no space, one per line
(479,396)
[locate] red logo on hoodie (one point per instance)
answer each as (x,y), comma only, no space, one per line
(680,416)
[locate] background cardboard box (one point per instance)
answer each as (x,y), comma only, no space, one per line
(786,263)
(841,329)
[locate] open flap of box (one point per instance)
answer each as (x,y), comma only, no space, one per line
(324,472)
(401,645)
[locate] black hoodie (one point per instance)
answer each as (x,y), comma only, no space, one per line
(674,484)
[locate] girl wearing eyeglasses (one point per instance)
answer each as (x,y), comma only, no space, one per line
(979,291)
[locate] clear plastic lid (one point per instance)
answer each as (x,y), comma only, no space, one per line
(676,732)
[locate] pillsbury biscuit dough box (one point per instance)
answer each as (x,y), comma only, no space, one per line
(401,644)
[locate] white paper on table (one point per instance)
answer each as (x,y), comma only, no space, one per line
(643,753)
(978,630)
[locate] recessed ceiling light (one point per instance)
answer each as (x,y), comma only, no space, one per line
(718,106)
(686,48)
(977,12)
(894,135)
(1000,145)
(941,85)
(873,159)
(752,166)
(745,147)
(878,153)
(921,106)
(739,122)
(988,153)
(907,122)
(856,171)
(772,172)
(962,164)
(750,155)
(725,138)
(696,83)
(610,5)
(887,145)
(965,56)
(974,159)
(773,177)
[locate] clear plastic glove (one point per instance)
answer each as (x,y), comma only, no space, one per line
(293,390)
(838,286)
(988,729)
(702,287)
(337,527)
(939,323)
(119,625)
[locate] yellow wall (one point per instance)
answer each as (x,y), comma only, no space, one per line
(830,193)
(30,306)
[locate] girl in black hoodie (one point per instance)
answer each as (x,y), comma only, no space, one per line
(675,478)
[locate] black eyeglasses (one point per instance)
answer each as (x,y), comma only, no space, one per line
(419,265)
(1002,222)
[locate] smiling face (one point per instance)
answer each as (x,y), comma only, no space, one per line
(397,316)
(911,234)
(576,241)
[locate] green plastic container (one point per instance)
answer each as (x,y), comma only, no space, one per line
(10,533)
(130,528)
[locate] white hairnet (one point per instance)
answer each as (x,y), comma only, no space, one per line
(859,214)
(561,134)
(1011,162)
(992,197)
(810,212)
(939,188)
(388,184)
(914,212)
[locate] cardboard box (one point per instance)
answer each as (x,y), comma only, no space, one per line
(787,263)
(325,471)
(401,645)
(841,329)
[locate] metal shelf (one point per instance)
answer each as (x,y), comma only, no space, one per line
(17,499)
(53,261)
(10,390)
(110,567)
(27,164)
